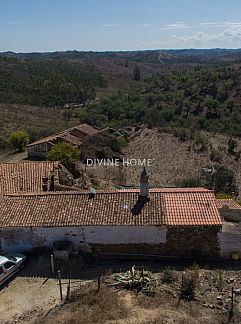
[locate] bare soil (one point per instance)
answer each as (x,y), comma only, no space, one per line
(110,305)
(33,295)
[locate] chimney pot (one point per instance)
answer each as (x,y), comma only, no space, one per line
(144,184)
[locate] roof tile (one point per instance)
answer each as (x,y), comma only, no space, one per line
(24,176)
(179,207)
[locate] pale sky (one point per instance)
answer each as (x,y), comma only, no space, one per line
(100,25)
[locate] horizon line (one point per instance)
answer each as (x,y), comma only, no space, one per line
(122,50)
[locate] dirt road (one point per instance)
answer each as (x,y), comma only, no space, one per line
(30,293)
(25,298)
(13,157)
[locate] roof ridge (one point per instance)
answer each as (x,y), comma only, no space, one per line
(28,161)
(99,192)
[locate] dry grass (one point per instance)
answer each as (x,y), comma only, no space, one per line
(172,160)
(31,118)
(110,306)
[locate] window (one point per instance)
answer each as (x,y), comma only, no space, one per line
(8,265)
(1,270)
(11,258)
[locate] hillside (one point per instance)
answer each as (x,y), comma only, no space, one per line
(47,82)
(202,97)
(37,121)
(172,159)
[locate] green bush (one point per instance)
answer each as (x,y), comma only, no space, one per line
(121,142)
(223,196)
(189,284)
(65,153)
(190,183)
(167,275)
(19,140)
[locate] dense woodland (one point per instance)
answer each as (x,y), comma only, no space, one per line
(181,90)
(205,97)
(47,82)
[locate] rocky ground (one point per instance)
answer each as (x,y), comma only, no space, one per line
(33,296)
(211,304)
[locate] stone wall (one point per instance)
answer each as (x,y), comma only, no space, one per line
(180,241)
(153,240)
(229,214)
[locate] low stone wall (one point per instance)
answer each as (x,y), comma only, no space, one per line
(233,215)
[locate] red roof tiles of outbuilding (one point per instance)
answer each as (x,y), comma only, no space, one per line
(190,208)
(230,203)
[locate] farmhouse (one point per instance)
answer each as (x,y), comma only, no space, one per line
(76,136)
(31,176)
(174,221)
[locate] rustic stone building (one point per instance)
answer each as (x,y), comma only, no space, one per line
(170,222)
(76,136)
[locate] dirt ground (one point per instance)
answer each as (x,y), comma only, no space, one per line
(33,295)
(30,293)
(111,305)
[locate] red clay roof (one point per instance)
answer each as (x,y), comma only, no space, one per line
(190,208)
(170,208)
(24,176)
(228,203)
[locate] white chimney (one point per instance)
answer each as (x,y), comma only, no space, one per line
(144,184)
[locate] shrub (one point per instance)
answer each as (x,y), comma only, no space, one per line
(190,183)
(189,284)
(222,180)
(168,275)
(232,144)
(215,155)
(223,196)
(65,153)
(220,280)
(121,142)
(201,143)
(19,140)
(182,134)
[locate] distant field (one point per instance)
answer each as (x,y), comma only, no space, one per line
(37,121)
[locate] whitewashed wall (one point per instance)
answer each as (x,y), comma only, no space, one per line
(25,239)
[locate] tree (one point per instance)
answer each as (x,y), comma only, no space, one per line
(65,153)
(190,183)
(222,180)
(137,74)
(232,144)
(19,140)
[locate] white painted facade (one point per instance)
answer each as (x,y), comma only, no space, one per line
(26,239)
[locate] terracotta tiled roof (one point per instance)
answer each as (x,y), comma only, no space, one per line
(24,176)
(228,203)
(190,208)
(171,208)
(72,135)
